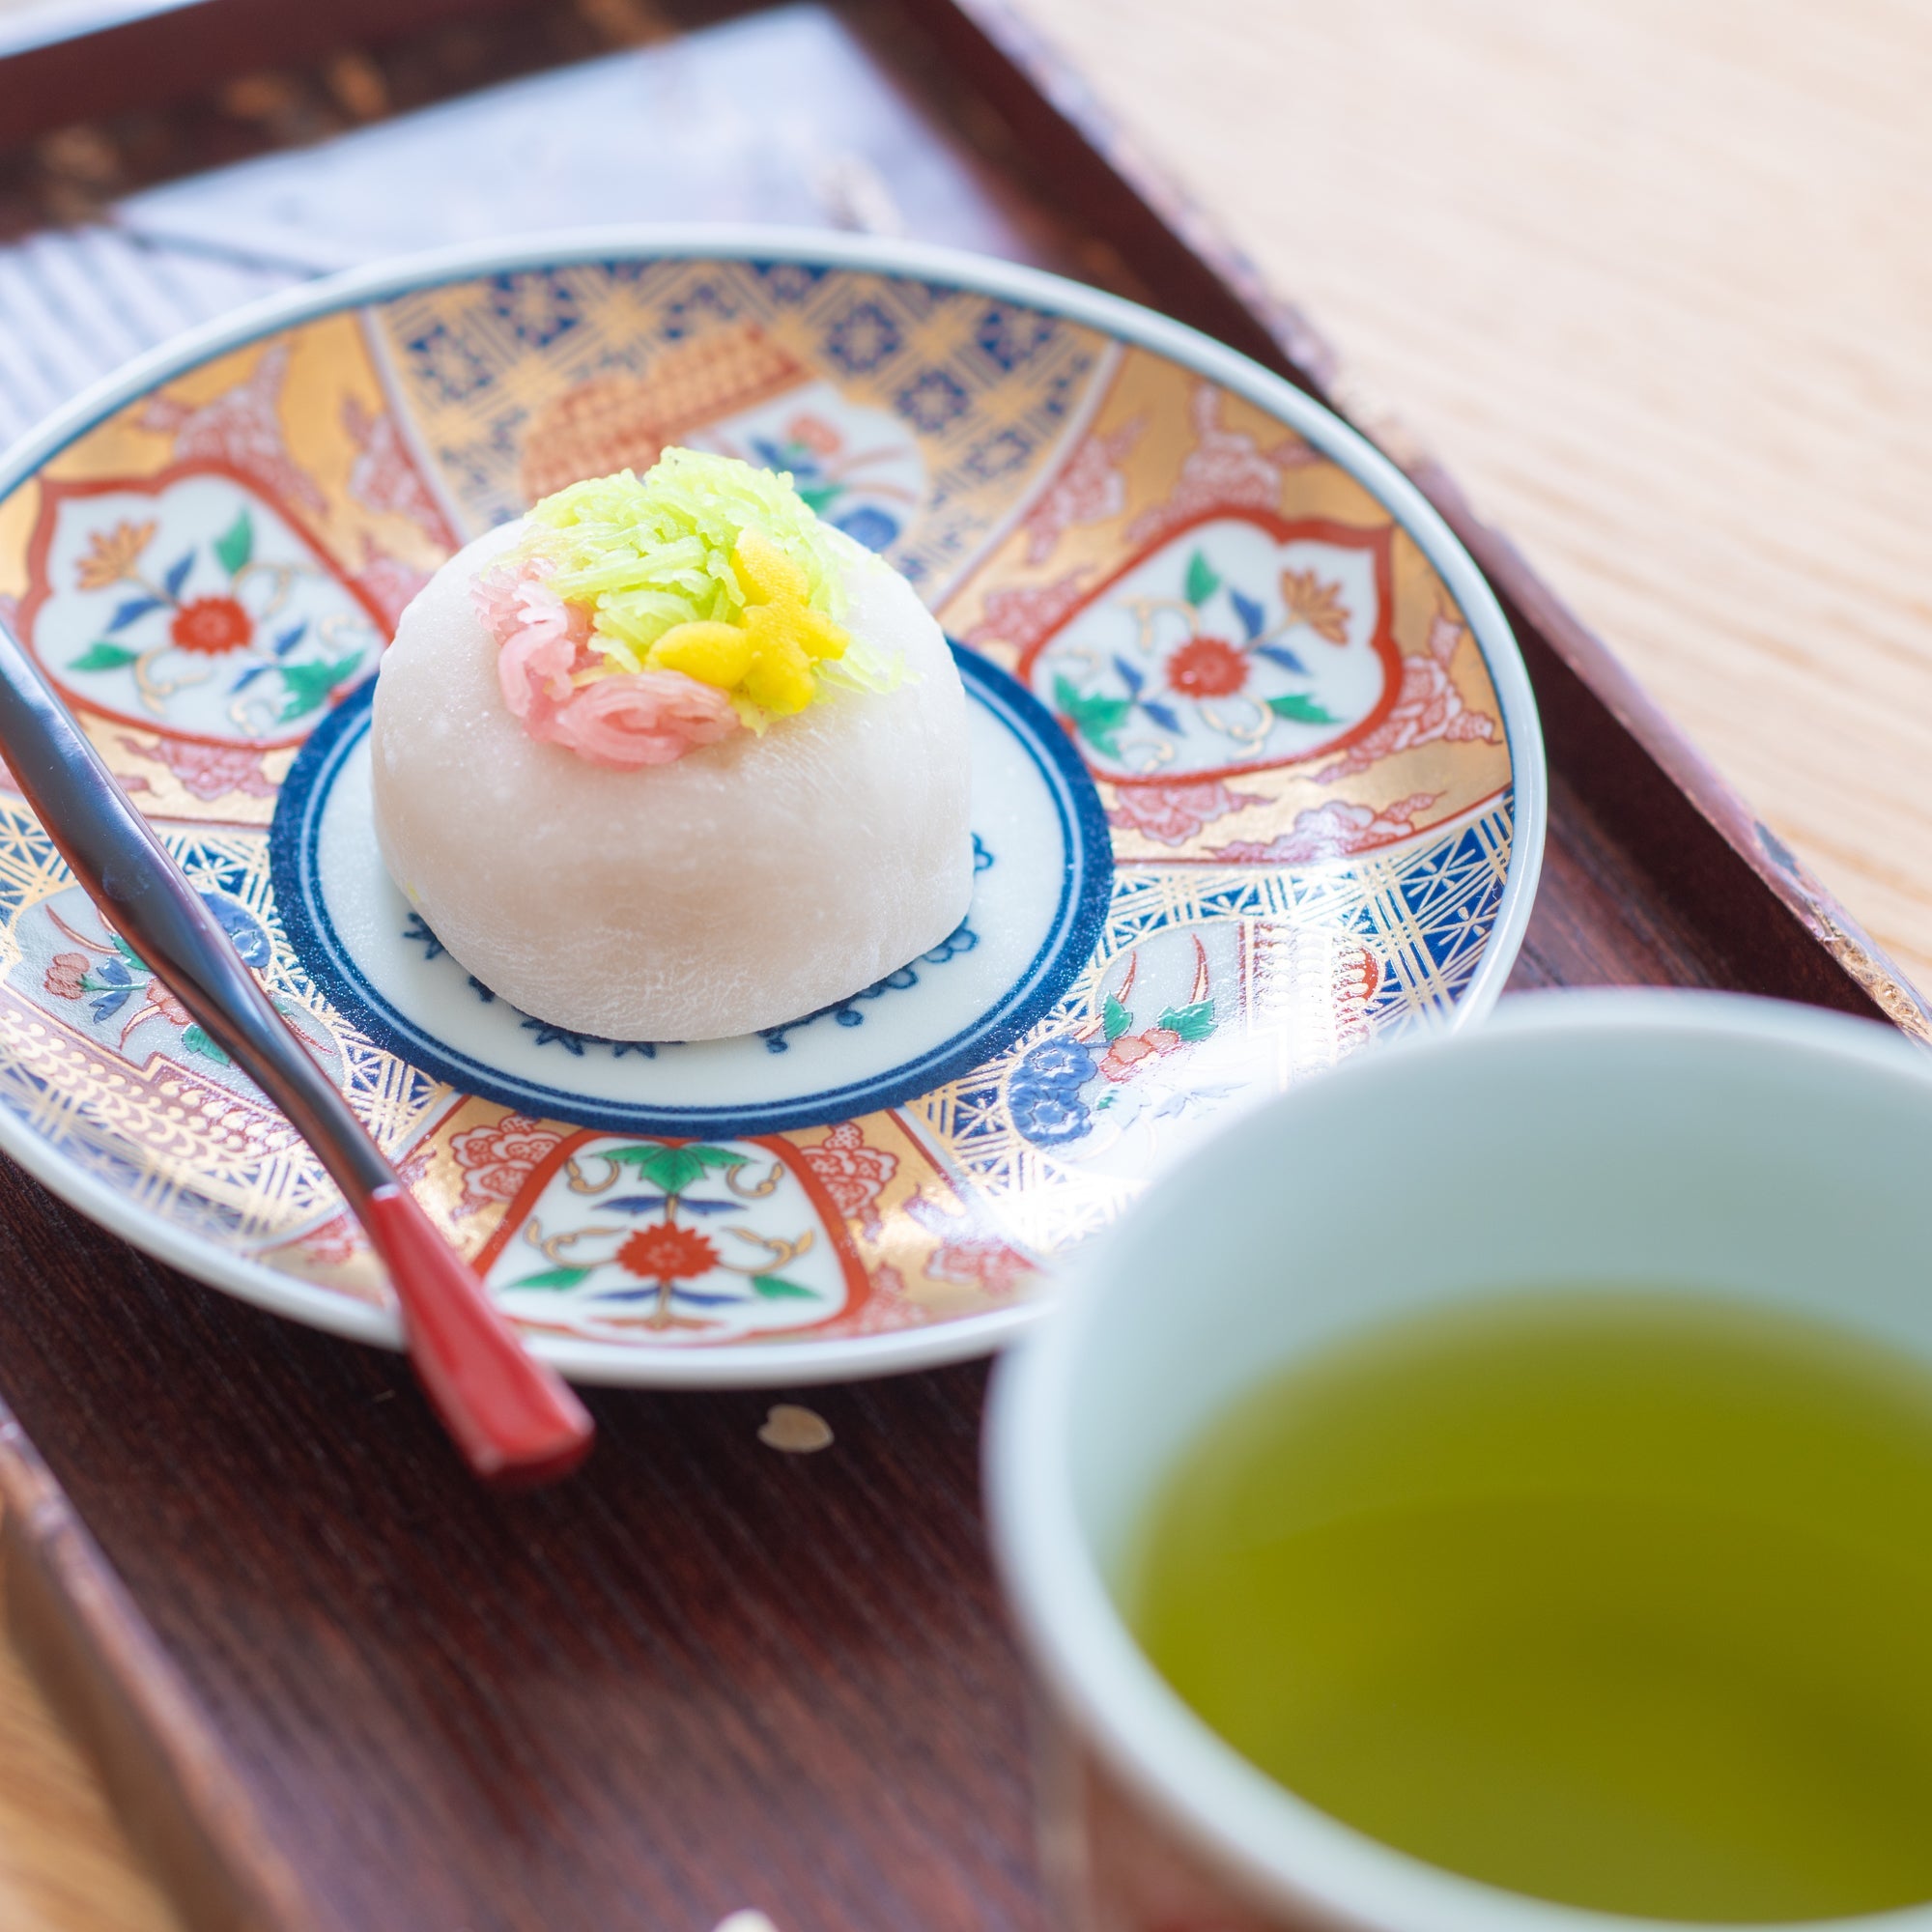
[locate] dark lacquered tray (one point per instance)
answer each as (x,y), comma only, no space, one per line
(330,1682)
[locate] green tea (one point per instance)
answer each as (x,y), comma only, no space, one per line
(1622,1600)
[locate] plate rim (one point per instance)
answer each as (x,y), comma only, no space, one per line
(789,1364)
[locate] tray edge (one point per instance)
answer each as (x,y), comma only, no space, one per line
(91,1648)
(1279,334)
(97,1662)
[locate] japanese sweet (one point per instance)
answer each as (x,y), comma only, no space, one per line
(670,759)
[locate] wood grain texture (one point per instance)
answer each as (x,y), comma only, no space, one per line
(67,77)
(1656,279)
(65,1864)
(702,1676)
(710,1677)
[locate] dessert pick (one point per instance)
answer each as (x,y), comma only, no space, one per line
(514,1420)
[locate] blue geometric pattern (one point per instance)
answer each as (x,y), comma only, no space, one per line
(986,388)
(1433,926)
(182,1164)
(932,399)
(536,308)
(862,338)
(788,282)
(447,363)
(1008,336)
(1018,1126)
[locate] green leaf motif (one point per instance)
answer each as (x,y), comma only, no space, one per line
(128,954)
(1096,719)
(308,684)
(103,656)
(1115,1018)
(673,1170)
(1298,708)
(1202,580)
(197,1042)
(1191,1023)
(236,545)
(775,1288)
(557,1279)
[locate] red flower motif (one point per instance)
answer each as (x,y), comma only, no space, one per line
(167,1006)
(1122,1057)
(1208,668)
(111,554)
(1332,830)
(211,626)
(1025,616)
(1225,470)
(208,770)
(816,433)
(1171,814)
(989,1266)
(1428,709)
(666,1252)
(497,1159)
(241,428)
(1090,489)
(852,1173)
(64,973)
(383,477)
(968,1253)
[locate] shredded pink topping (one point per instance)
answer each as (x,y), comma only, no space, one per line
(537,634)
(624,720)
(642,717)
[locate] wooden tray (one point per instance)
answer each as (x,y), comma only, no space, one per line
(332,1685)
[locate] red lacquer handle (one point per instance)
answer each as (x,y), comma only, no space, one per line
(515,1420)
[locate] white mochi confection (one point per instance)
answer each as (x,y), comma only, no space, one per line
(750,883)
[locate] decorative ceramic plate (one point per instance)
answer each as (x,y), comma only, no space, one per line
(1257,779)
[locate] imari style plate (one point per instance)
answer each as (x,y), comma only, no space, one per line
(1257,780)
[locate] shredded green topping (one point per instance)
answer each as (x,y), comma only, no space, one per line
(651,554)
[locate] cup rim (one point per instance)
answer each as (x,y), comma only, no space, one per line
(1284,1852)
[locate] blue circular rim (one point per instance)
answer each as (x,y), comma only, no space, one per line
(1079,919)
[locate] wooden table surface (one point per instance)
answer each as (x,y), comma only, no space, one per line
(1654,276)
